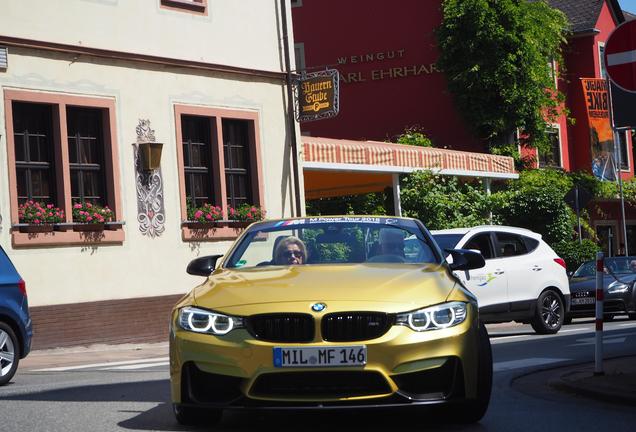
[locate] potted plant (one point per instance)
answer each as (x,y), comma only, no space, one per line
(40,217)
(203,217)
(90,217)
(245,214)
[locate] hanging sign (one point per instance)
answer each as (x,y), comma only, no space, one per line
(601,133)
(317,96)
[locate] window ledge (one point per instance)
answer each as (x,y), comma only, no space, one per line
(186,5)
(63,235)
(218,230)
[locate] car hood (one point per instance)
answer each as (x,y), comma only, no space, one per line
(390,287)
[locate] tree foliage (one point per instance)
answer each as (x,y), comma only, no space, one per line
(497,57)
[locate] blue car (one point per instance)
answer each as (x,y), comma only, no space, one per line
(15,322)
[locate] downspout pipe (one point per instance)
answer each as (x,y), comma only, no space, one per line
(290,110)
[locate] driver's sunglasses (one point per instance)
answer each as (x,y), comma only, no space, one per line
(295,253)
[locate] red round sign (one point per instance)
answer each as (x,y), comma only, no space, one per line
(620,56)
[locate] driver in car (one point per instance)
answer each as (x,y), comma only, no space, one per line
(392,242)
(290,251)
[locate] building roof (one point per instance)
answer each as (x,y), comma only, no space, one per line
(583,14)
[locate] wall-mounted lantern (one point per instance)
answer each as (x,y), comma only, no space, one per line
(149,149)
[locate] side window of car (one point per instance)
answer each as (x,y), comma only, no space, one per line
(531,244)
(482,243)
(510,245)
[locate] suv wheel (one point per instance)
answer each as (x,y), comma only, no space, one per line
(549,313)
(9,353)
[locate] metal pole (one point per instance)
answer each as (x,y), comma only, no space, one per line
(617,150)
(290,110)
(397,203)
(598,346)
(578,213)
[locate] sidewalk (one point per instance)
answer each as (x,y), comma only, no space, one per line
(616,385)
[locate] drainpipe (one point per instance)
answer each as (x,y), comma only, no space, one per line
(290,110)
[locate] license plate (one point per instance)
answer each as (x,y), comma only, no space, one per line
(583,300)
(320,356)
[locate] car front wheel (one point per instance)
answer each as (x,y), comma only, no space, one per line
(549,313)
(9,353)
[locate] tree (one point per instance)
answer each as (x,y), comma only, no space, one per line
(497,57)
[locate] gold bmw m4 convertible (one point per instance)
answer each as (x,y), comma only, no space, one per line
(330,313)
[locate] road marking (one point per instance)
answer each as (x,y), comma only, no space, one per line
(97,365)
(523,363)
(136,366)
(607,339)
(627,325)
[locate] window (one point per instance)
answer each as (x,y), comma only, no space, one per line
(86,155)
(510,245)
(482,243)
(34,152)
(552,157)
(601,60)
(299,55)
(296,3)
(219,158)
(197,159)
(235,152)
(622,143)
(198,7)
(63,151)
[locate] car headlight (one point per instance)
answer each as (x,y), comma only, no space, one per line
(434,317)
(617,287)
(203,321)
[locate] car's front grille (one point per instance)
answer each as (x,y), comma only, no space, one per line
(328,384)
(282,327)
(355,326)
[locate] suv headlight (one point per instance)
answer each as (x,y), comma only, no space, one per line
(617,287)
(435,317)
(203,321)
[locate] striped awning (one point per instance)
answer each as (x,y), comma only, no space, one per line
(375,156)
(335,167)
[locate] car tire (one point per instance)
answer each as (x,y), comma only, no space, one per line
(549,313)
(193,416)
(472,410)
(9,353)
(608,317)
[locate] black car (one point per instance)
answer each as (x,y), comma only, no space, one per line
(619,278)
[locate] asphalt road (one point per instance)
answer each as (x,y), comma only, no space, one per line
(134,394)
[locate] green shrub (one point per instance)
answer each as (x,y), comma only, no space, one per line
(574,253)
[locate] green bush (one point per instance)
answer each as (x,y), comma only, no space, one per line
(574,253)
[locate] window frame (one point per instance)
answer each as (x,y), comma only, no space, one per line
(217,115)
(625,164)
(59,104)
(557,128)
(196,7)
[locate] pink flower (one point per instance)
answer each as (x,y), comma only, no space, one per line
(36,221)
(253,209)
(198,214)
(38,214)
(88,218)
(208,216)
(77,206)
(232,211)
(49,206)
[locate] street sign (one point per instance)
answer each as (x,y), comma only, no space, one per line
(318,95)
(620,56)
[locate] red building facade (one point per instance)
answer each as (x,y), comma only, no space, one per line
(386,54)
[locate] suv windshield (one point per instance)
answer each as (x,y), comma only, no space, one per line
(334,240)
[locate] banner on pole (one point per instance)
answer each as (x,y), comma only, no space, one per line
(601,134)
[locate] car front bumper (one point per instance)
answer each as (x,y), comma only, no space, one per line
(404,367)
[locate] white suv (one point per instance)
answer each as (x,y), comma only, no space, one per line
(523,280)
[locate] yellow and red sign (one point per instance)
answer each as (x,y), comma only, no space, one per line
(318,96)
(601,133)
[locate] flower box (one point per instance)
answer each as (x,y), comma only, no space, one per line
(36,228)
(239,224)
(88,227)
(202,225)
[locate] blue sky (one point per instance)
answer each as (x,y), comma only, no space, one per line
(628,5)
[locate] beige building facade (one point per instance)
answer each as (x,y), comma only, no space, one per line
(203,77)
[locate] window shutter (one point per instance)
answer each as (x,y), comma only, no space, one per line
(4,62)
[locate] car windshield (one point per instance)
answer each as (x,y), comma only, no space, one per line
(447,241)
(617,265)
(336,240)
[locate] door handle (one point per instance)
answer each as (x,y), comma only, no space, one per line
(499,272)
(537,268)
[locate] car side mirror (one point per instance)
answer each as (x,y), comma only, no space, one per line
(203,266)
(570,274)
(464,259)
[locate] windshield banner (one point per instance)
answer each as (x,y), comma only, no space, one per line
(601,134)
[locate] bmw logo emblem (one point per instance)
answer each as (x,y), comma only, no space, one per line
(318,307)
